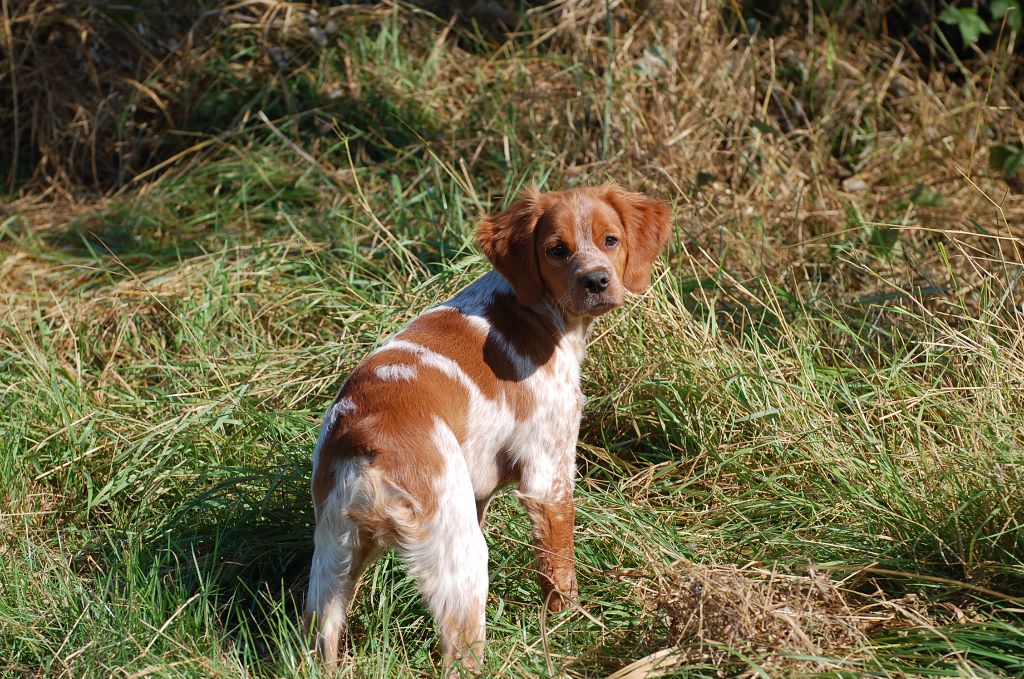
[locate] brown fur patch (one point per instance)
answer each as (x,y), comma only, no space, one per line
(391,425)
(481,356)
(648,224)
(552,523)
(448,333)
(508,241)
(531,335)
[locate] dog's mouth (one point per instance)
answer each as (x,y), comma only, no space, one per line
(593,306)
(600,308)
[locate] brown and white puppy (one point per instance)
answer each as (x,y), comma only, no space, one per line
(475,394)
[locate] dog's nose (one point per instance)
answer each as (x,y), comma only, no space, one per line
(596,281)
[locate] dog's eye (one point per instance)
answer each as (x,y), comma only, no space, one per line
(558,251)
(610,241)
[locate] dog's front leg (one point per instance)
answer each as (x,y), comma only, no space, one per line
(552,516)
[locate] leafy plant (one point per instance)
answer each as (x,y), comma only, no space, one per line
(1006,158)
(972,25)
(967,20)
(1012,10)
(923,196)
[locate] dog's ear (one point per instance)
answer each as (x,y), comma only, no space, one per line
(648,225)
(507,240)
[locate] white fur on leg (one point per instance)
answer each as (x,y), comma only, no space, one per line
(338,559)
(448,558)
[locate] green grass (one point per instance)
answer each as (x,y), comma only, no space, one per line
(788,398)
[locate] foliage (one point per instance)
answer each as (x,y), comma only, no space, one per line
(1012,10)
(1006,158)
(966,19)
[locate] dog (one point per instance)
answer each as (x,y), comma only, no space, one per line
(478,393)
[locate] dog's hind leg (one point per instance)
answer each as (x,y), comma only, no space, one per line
(341,553)
(447,555)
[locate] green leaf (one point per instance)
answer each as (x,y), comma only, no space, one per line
(1006,158)
(967,20)
(882,240)
(999,8)
(922,196)
(950,15)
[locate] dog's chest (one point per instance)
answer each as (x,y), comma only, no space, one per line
(511,441)
(556,420)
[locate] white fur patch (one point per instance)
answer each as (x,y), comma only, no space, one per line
(450,564)
(432,359)
(396,372)
(334,568)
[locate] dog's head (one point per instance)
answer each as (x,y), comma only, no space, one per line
(580,249)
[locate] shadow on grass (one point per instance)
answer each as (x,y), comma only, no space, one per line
(201,78)
(246,544)
(247,193)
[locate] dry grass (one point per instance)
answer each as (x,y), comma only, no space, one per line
(752,622)
(95,94)
(725,616)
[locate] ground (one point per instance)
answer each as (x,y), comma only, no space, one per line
(802,448)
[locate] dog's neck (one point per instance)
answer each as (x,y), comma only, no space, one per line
(545,318)
(573,331)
